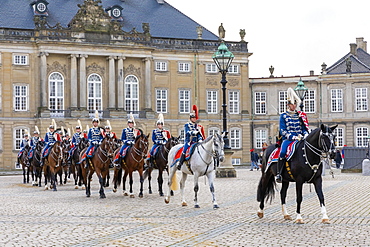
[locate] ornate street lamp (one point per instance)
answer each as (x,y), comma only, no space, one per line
(301,91)
(223,58)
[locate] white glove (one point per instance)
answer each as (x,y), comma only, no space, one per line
(300,137)
(295,138)
(200,141)
(305,136)
(195,132)
(95,142)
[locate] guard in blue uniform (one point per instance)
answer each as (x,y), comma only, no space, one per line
(194,132)
(50,138)
(34,140)
(292,128)
(95,136)
(128,137)
(160,136)
(24,143)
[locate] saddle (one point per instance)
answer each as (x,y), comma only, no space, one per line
(189,152)
(274,156)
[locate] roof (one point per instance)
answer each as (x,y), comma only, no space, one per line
(360,63)
(164,20)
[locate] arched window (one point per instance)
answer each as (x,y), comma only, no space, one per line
(56,94)
(94,92)
(131,93)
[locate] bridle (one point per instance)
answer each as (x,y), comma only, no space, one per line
(142,150)
(215,154)
(107,150)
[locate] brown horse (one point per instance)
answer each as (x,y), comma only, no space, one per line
(35,163)
(99,164)
(133,161)
(159,161)
(53,165)
(27,169)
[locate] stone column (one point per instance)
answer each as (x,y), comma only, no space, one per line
(43,79)
(120,81)
(83,83)
(112,86)
(148,88)
(74,85)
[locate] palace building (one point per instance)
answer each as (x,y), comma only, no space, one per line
(65,59)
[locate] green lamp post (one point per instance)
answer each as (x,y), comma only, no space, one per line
(301,91)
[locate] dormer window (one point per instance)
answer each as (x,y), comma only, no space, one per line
(40,7)
(115,12)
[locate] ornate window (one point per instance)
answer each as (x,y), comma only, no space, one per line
(20,97)
(339,137)
(56,94)
(235,138)
(131,94)
(184,101)
(161,100)
(362,134)
(94,92)
(361,99)
(260,102)
(282,101)
(337,100)
(212,101)
(260,137)
(234,102)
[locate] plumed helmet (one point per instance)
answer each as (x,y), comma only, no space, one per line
(292,97)
(108,126)
(96,117)
(79,125)
(131,119)
(37,131)
(160,119)
(194,113)
(53,124)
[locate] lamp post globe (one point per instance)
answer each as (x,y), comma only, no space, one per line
(223,58)
(301,91)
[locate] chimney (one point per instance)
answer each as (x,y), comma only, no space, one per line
(361,43)
(353,48)
(311,73)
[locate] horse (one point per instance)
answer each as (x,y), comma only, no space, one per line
(99,164)
(75,168)
(159,161)
(53,165)
(27,169)
(203,161)
(35,163)
(304,166)
(133,161)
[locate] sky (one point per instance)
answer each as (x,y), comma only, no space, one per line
(293,36)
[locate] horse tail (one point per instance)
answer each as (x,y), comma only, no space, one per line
(146,173)
(118,178)
(175,182)
(266,185)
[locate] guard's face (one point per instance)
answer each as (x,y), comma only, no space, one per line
(160,126)
(193,119)
(292,107)
(130,125)
(95,124)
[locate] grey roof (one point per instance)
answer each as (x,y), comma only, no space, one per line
(164,20)
(360,63)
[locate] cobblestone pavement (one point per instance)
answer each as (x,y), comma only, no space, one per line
(31,216)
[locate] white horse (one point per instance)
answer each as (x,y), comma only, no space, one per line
(202,162)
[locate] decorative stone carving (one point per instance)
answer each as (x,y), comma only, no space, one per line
(57,67)
(233,82)
(242,35)
(199,32)
(131,70)
(211,82)
(95,68)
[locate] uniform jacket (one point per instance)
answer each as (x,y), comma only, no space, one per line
(291,125)
(160,136)
(129,135)
(95,135)
(193,132)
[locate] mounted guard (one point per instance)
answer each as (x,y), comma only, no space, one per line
(25,144)
(95,136)
(50,138)
(194,133)
(34,140)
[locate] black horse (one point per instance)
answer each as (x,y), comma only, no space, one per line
(304,166)
(36,161)
(159,161)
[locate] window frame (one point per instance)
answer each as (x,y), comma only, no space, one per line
(259,139)
(361,102)
(234,104)
(339,135)
(338,100)
(233,69)
(212,103)
(161,66)
(23,99)
(211,68)
(363,138)
(260,105)
(161,101)
(94,101)
(184,67)
(20,59)
(310,102)
(134,89)
(184,100)
(235,140)
(18,137)
(58,110)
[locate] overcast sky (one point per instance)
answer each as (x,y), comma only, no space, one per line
(294,36)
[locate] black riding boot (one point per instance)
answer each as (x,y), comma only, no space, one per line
(279,168)
(117,162)
(181,161)
(86,163)
(42,162)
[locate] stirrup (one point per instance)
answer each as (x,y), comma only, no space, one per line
(278,178)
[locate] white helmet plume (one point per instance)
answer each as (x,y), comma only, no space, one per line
(292,97)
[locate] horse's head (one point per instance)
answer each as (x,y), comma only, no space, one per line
(108,144)
(173,141)
(218,145)
(327,140)
(142,143)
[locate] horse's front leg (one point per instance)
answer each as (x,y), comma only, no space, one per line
(211,178)
(196,189)
(88,182)
(283,192)
(101,182)
(124,183)
(54,181)
(320,194)
(24,174)
(149,171)
(182,186)
(160,181)
(141,183)
(131,181)
(299,186)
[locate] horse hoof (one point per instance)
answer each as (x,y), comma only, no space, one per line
(141,195)
(83,187)
(166,200)
(87,195)
(161,194)
(171,193)
(150,192)
(46,187)
(287,217)
(76,187)
(114,190)
(260,215)
(184,204)
(196,206)
(299,221)
(325,221)
(132,196)
(125,193)
(102,196)
(215,206)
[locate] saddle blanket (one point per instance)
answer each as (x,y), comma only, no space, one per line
(274,156)
(188,153)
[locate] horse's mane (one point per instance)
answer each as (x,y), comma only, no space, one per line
(208,138)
